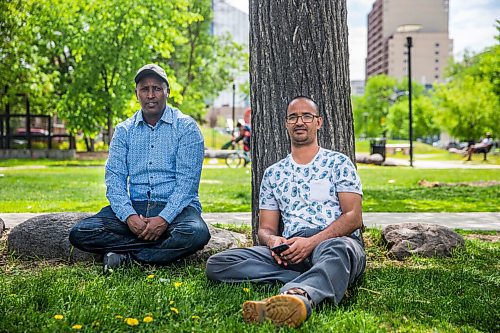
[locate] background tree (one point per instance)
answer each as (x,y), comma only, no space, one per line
(371,109)
(297,48)
(468,104)
(80,57)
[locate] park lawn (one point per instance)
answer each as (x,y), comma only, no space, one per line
(386,189)
(460,294)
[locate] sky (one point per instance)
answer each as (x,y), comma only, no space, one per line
(471,26)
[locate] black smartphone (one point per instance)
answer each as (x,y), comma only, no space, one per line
(280,248)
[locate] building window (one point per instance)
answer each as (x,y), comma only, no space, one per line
(436,53)
(437,44)
(436,77)
(436,61)
(436,69)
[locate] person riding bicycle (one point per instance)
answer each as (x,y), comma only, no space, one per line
(244,136)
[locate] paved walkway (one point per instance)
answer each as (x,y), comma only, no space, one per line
(433,164)
(468,221)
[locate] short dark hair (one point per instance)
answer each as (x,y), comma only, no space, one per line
(316,106)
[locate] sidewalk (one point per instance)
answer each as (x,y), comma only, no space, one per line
(468,221)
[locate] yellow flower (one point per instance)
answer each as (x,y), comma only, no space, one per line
(195,317)
(131,321)
(171,302)
(77,327)
(150,276)
(58,317)
(118,317)
(174,310)
(147,319)
(177,284)
(247,290)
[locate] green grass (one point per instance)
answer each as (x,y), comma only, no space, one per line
(460,294)
(394,189)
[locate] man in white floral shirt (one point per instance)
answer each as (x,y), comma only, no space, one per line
(317,193)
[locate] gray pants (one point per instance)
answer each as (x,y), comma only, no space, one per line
(333,265)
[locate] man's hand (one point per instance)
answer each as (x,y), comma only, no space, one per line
(136,224)
(155,227)
(300,249)
(273,241)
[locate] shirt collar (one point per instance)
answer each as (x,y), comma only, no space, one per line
(166,117)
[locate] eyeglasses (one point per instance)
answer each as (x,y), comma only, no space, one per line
(306,118)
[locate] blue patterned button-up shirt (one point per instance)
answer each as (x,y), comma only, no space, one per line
(160,163)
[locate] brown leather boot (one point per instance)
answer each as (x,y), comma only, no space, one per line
(283,310)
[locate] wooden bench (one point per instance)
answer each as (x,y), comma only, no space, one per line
(483,150)
(393,148)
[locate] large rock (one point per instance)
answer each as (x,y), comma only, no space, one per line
(427,240)
(2,227)
(46,237)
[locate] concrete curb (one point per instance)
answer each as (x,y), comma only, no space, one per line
(489,221)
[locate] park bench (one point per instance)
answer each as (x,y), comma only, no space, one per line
(392,148)
(219,153)
(484,150)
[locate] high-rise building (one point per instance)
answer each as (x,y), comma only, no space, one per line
(432,47)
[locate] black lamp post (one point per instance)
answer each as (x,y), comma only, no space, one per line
(409,44)
(234,110)
(409,28)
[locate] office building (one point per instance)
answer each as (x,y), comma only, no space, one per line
(432,47)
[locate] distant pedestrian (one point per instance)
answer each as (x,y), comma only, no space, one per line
(480,147)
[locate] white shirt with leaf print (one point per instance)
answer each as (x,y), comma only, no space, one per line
(307,195)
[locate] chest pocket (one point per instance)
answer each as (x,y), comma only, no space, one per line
(320,190)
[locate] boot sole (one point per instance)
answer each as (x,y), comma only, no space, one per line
(282,310)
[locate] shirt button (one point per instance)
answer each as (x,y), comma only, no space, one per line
(152,146)
(150,163)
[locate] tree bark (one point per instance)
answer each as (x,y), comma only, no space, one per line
(297,47)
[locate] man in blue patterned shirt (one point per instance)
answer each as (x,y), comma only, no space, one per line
(317,194)
(152,178)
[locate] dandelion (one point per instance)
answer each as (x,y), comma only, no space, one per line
(150,276)
(77,327)
(171,302)
(118,317)
(58,317)
(174,310)
(177,284)
(247,290)
(147,319)
(195,317)
(131,321)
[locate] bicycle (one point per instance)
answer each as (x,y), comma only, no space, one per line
(238,158)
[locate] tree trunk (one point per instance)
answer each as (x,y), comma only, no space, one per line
(297,48)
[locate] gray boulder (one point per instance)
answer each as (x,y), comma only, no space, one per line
(46,237)
(2,227)
(376,159)
(426,240)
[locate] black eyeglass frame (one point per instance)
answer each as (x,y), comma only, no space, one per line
(287,118)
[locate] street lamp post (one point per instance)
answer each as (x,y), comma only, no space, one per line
(409,28)
(234,107)
(409,45)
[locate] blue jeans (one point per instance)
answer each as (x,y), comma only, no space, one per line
(104,232)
